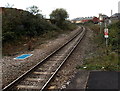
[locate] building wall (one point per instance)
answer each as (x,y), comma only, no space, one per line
(0,10)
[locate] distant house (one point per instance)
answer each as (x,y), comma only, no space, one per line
(105,16)
(95,20)
(86,19)
(77,20)
(102,17)
(116,16)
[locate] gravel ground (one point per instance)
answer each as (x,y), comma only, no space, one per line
(11,68)
(68,71)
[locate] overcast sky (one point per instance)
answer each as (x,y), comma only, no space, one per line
(75,8)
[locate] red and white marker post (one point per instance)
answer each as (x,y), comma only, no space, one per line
(106,35)
(106,32)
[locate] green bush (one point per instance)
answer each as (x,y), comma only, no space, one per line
(114,35)
(105,57)
(17,23)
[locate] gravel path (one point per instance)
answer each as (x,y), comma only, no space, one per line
(68,71)
(11,68)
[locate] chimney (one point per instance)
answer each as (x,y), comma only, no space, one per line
(111,12)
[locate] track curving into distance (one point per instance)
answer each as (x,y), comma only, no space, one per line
(39,76)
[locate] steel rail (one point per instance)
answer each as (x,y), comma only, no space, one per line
(41,62)
(63,61)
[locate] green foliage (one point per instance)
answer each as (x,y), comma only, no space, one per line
(59,14)
(33,9)
(68,25)
(105,57)
(114,35)
(58,17)
(20,27)
(106,62)
(11,21)
(17,23)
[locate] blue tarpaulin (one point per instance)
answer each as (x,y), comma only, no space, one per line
(23,56)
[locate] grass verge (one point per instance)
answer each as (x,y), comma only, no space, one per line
(104,58)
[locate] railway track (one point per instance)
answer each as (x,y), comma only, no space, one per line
(39,76)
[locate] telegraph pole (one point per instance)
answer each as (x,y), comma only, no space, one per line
(106,37)
(111,12)
(106,34)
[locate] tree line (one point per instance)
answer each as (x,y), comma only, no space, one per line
(17,23)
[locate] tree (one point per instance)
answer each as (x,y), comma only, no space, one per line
(33,9)
(9,6)
(59,16)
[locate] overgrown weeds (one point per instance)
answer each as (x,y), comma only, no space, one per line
(105,57)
